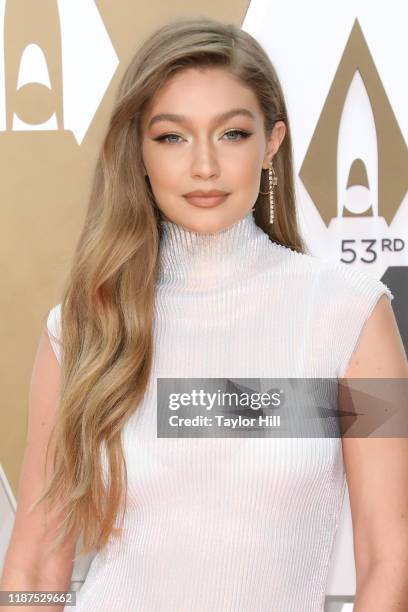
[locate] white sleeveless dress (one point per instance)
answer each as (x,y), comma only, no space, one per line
(233,524)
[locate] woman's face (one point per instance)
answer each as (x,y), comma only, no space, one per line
(200,150)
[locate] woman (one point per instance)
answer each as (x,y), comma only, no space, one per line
(170,283)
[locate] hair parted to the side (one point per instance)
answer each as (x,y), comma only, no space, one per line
(108,296)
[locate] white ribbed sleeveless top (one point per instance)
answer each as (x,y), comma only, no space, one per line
(233,524)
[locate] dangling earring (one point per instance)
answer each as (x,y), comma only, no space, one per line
(273,181)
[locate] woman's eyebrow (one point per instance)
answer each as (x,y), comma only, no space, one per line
(218,118)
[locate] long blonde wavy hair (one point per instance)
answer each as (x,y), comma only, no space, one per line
(108,296)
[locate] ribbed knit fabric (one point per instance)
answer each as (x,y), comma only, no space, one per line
(233,524)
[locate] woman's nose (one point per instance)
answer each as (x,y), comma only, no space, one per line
(205,162)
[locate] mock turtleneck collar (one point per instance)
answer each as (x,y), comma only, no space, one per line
(203,261)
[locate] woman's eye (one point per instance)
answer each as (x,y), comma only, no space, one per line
(165,137)
(240,132)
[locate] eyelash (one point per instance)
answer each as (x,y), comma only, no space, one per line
(243,134)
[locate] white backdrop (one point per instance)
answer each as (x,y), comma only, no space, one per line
(306,42)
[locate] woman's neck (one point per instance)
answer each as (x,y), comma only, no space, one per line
(205,261)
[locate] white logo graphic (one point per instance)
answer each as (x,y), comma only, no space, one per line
(347,111)
(87,63)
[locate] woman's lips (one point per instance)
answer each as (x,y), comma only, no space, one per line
(206,201)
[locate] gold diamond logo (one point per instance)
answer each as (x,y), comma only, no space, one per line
(319,171)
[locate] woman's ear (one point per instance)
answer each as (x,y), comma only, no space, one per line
(274,142)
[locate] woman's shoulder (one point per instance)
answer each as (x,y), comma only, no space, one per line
(334,278)
(341,279)
(342,298)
